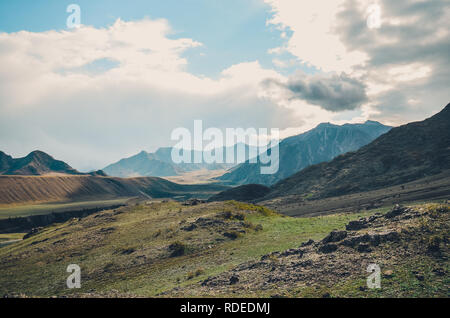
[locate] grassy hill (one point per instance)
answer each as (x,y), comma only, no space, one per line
(168,249)
(149,249)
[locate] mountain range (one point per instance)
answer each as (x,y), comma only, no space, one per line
(404,154)
(160,163)
(320,144)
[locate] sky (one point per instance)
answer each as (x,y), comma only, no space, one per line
(134,71)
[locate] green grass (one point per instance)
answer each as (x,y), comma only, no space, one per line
(39,263)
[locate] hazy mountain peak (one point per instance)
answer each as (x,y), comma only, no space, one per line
(322,143)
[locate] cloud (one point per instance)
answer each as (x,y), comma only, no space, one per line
(312,40)
(403,62)
(331,92)
(94,95)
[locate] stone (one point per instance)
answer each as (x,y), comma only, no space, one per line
(396,210)
(364,248)
(335,236)
(356,225)
(328,248)
(234,279)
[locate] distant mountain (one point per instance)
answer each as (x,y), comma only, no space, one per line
(320,144)
(35,163)
(160,164)
(404,154)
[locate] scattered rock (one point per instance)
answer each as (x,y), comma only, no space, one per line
(231,235)
(293,251)
(364,248)
(128,251)
(356,225)
(307,243)
(328,248)
(33,231)
(439,271)
(234,279)
(396,210)
(335,236)
(192,202)
(388,273)
(107,230)
(189,227)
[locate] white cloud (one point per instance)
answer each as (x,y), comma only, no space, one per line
(49,101)
(402,60)
(313,40)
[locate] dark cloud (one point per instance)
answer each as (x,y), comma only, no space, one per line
(414,33)
(331,92)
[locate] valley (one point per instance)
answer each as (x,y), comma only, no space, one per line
(312,234)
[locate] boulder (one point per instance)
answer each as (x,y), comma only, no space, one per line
(328,248)
(234,279)
(396,210)
(356,225)
(335,236)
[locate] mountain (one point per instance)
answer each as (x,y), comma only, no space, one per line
(35,163)
(320,144)
(404,154)
(142,164)
(160,164)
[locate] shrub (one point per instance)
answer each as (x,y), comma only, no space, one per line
(232,235)
(177,249)
(196,273)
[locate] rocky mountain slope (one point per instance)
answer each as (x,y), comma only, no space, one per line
(320,144)
(404,154)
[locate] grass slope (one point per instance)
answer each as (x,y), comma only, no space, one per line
(132,249)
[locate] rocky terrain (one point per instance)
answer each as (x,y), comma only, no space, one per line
(410,244)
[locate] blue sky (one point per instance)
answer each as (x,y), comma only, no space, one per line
(231,31)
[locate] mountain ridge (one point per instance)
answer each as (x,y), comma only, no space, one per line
(35,163)
(320,144)
(406,153)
